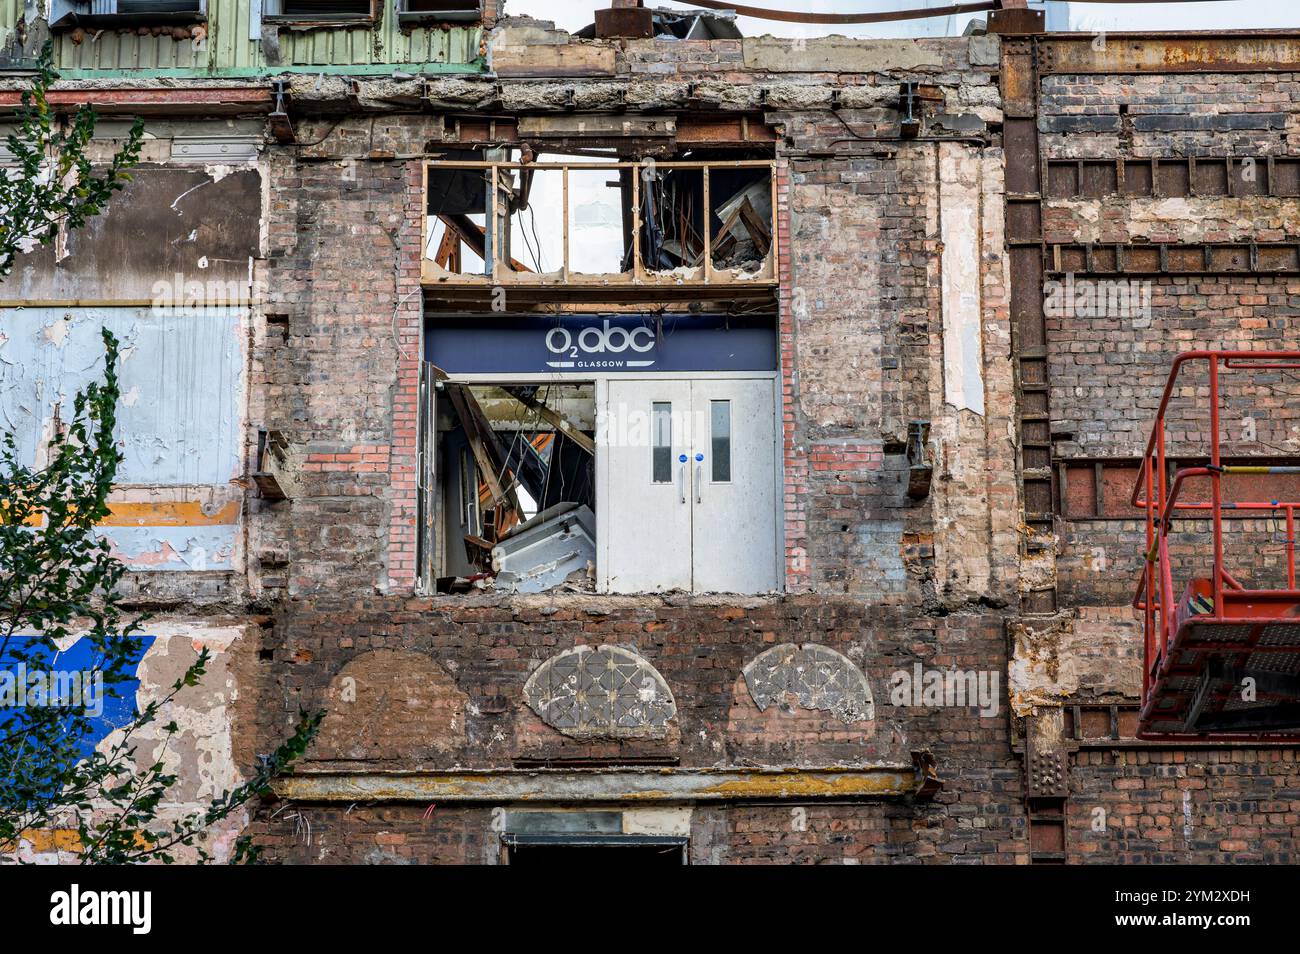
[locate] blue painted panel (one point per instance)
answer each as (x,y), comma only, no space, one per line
(149,548)
(31,683)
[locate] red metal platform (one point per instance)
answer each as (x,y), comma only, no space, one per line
(1222,662)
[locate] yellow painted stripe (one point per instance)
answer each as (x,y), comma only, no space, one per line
(183,513)
(62,839)
(52,839)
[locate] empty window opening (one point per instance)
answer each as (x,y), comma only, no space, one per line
(456,11)
(158,6)
(492,216)
(122,13)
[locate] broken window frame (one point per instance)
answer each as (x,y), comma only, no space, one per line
(68,14)
(273,11)
(438,493)
(706,273)
(463,11)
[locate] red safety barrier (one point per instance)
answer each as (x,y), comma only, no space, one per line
(1216,636)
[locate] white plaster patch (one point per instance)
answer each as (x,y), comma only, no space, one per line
(657,821)
(56,332)
(959,229)
(219,172)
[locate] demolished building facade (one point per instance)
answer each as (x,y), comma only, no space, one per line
(674,444)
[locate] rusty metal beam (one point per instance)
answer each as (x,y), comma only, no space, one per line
(1189,52)
(1193,258)
(743,130)
(793,16)
(225,99)
(614,785)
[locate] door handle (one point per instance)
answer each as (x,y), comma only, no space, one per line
(681,482)
(699,479)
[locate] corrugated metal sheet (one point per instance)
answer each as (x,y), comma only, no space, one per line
(384,44)
(228,50)
(229,47)
(114,50)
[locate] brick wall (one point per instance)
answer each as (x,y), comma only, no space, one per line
(1099,562)
(487,651)
(883,579)
(732,834)
(342,382)
(1169,114)
(1108,373)
(1155,806)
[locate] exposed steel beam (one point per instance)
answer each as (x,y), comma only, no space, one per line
(226,99)
(790,16)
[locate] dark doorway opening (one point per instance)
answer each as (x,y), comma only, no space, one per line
(596,851)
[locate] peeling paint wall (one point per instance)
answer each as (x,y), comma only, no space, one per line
(174,234)
(180,421)
(206,754)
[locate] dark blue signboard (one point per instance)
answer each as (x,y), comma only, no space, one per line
(600,343)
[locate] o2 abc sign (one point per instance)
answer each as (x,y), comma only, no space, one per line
(599,340)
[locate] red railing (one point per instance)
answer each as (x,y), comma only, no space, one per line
(1158,496)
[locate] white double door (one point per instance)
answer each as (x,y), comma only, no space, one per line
(689,475)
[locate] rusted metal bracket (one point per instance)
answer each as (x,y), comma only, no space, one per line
(910,125)
(281,127)
(626,19)
(927,774)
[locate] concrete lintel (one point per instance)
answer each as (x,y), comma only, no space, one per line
(612,785)
(839,54)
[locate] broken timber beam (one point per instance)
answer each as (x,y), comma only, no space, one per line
(463,402)
(472,235)
(554,418)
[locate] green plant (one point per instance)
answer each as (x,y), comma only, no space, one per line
(53,185)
